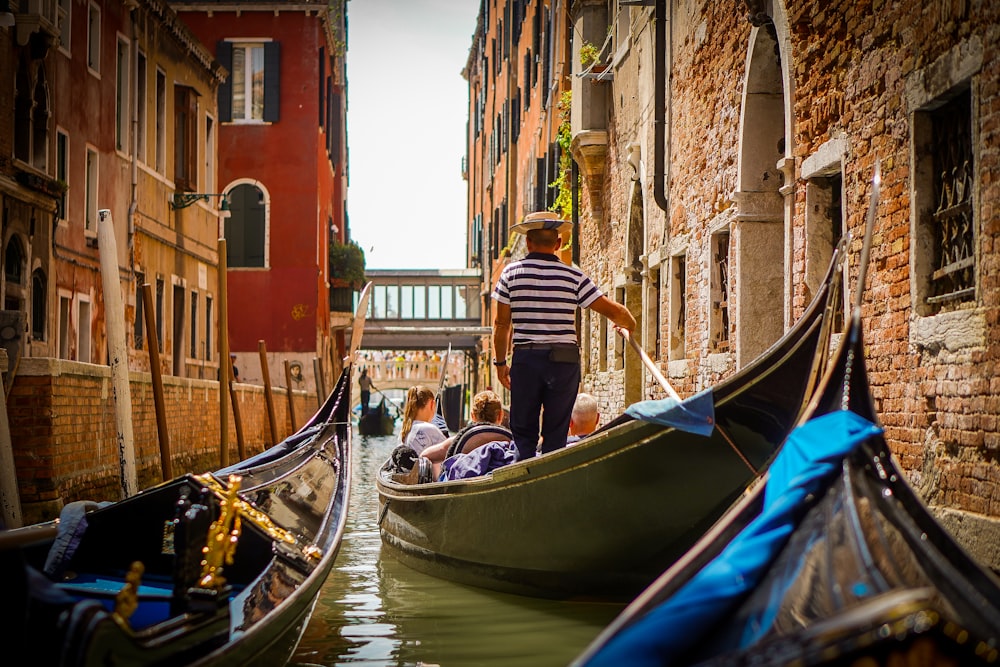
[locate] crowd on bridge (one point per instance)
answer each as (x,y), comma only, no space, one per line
(410,364)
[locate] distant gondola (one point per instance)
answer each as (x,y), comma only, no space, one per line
(604,517)
(377,421)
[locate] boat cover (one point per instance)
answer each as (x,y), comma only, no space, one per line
(692,415)
(812,454)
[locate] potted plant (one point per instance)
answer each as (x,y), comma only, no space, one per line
(347,265)
(589,54)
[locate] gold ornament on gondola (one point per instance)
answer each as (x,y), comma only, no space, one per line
(223,535)
(127,599)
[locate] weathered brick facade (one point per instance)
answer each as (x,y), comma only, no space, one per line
(774,115)
(62,422)
(725,150)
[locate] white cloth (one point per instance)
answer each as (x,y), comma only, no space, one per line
(422,435)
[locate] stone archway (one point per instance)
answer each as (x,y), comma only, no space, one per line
(758,234)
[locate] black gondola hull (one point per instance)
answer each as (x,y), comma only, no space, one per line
(293,503)
(581,522)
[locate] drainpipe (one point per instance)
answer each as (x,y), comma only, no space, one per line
(660,72)
(134,204)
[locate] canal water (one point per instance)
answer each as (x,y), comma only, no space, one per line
(376,611)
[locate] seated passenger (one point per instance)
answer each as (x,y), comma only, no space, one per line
(487,413)
(418,430)
(583,421)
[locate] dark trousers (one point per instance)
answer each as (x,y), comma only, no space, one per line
(541,390)
(365,397)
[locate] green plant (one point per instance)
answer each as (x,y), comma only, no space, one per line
(589,54)
(563,204)
(347,263)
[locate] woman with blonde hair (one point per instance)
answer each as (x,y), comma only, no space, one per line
(418,430)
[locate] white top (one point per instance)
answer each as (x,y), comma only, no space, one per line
(423,435)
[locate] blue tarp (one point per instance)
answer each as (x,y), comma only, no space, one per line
(810,456)
(693,415)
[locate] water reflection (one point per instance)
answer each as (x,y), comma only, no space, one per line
(375,611)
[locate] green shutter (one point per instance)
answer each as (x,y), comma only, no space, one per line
(224,54)
(272,80)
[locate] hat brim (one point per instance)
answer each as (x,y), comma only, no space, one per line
(526,226)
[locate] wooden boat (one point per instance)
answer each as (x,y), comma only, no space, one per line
(377,421)
(216,569)
(581,521)
(833,560)
(866,575)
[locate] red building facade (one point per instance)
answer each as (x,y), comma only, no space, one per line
(283,171)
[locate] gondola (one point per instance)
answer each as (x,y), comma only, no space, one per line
(579,522)
(865,573)
(217,569)
(377,421)
(129,584)
(833,560)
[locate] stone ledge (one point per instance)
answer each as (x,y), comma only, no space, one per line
(977,534)
(958,330)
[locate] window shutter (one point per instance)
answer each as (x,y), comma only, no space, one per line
(322,86)
(224,54)
(272,80)
(336,129)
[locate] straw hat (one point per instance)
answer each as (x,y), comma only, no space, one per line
(541,220)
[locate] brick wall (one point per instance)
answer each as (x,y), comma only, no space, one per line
(847,74)
(62,422)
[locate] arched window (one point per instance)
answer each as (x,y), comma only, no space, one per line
(13,269)
(246,227)
(13,261)
(38,301)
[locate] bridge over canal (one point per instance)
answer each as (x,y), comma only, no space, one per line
(414,311)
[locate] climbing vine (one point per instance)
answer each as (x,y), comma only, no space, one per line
(563,204)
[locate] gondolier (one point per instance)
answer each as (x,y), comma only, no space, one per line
(536,299)
(365,385)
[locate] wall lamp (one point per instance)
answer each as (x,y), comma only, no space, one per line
(185,199)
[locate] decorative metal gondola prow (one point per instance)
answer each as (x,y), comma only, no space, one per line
(358,326)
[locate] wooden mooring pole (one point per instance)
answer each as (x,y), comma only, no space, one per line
(153,343)
(268,394)
(114,319)
(291,403)
(10,497)
(225,364)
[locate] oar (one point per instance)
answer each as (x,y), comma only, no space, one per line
(391,402)
(650,366)
(695,415)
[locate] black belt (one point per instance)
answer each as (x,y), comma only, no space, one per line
(543,346)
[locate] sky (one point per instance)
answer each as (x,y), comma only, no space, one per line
(406,119)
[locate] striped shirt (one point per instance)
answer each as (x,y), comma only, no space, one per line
(543,295)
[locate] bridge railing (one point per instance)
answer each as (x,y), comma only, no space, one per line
(415,369)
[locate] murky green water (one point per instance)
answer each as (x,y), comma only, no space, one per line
(376,611)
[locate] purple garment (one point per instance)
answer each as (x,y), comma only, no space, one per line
(479,461)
